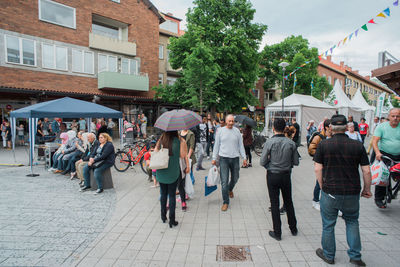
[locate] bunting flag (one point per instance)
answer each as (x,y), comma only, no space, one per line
(312,85)
(364,27)
(294,82)
(383,14)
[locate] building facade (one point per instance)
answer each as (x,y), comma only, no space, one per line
(103,50)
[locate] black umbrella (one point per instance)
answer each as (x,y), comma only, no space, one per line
(246,120)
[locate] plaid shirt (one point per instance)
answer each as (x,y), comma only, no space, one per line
(340,157)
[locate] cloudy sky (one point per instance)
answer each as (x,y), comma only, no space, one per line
(324,23)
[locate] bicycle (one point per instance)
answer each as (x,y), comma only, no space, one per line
(133,155)
(394,174)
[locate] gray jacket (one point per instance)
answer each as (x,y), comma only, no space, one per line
(279,154)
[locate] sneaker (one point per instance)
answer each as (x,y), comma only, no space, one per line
(274,236)
(340,214)
(249,165)
(320,253)
(294,231)
(201,169)
(83,189)
(282,210)
(380,204)
(358,262)
(51,169)
(184,207)
(98,191)
(208,157)
(316,205)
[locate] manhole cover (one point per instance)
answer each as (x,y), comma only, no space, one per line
(233,253)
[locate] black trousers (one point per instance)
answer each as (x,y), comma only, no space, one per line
(248,153)
(380,191)
(280,182)
(181,188)
(168,191)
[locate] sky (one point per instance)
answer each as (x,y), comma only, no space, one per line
(324,23)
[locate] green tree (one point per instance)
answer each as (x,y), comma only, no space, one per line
(395,103)
(294,50)
(366,97)
(218,56)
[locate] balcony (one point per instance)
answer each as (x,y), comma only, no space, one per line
(116,80)
(105,43)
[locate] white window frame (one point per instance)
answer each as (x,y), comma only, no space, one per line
(55,23)
(21,52)
(108,56)
(83,60)
(55,57)
(160,77)
(160,55)
(116,1)
(129,65)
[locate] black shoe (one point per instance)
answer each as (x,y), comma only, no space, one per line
(358,262)
(98,191)
(380,203)
(64,172)
(274,236)
(173,223)
(320,253)
(294,231)
(249,165)
(282,210)
(84,188)
(201,168)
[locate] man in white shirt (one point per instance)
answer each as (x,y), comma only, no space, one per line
(228,147)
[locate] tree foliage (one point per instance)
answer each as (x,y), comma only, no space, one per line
(218,55)
(294,50)
(366,97)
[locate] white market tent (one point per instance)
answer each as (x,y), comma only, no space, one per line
(367,110)
(302,107)
(339,100)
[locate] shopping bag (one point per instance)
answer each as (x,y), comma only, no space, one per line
(379,173)
(208,189)
(213,176)
(189,186)
(159,159)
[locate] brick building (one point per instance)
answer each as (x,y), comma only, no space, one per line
(104,49)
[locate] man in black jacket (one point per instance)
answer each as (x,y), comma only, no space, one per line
(94,144)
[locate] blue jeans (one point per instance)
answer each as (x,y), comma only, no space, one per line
(97,173)
(317,191)
(350,207)
(226,165)
(70,163)
(56,159)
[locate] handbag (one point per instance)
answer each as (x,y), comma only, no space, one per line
(159,159)
(97,164)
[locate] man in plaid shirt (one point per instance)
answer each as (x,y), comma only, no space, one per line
(336,167)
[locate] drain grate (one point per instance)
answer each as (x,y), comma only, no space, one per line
(233,253)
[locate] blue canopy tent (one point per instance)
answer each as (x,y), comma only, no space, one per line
(60,108)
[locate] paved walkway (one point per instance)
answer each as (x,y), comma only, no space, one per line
(135,235)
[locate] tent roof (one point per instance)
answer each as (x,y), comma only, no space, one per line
(301,100)
(342,100)
(359,101)
(66,108)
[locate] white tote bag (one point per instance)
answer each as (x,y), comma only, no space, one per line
(379,173)
(213,176)
(159,159)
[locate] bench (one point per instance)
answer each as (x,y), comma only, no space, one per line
(107,180)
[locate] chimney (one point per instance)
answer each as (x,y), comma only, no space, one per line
(329,58)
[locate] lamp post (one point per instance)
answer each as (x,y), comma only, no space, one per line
(283,65)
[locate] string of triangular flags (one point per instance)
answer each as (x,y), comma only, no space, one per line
(384,14)
(297,68)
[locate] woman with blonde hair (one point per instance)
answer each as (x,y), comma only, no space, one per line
(100,160)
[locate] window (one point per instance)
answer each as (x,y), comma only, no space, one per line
(54,57)
(256,93)
(160,51)
(57,13)
(116,1)
(20,51)
(171,80)
(160,78)
(330,79)
(107,63)
(129,66)
(105,30)
(82,61)
(169,25)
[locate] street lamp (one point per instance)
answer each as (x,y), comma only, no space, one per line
(283,65)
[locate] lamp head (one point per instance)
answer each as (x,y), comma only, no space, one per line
(283,65)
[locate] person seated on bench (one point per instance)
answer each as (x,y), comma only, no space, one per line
(69,160)
(69,148)
(102,159)
(93,145)
(58,154)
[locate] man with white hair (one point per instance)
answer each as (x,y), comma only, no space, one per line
(386,142)
(228,147)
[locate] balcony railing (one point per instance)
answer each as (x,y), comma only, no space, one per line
(101,42)
(116,80)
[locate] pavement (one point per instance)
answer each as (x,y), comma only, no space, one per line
(45,221)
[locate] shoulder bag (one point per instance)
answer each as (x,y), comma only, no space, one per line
(159,159)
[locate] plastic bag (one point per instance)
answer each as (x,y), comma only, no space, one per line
(213,176)
(379,173)
(209,189)
(189,186)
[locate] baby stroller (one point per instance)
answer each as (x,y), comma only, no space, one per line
(394,174)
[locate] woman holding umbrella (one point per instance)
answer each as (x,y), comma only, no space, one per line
(171,122)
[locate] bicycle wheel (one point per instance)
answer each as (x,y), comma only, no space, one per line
(122,161)
(143,165)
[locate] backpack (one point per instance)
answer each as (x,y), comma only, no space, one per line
(312,137)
